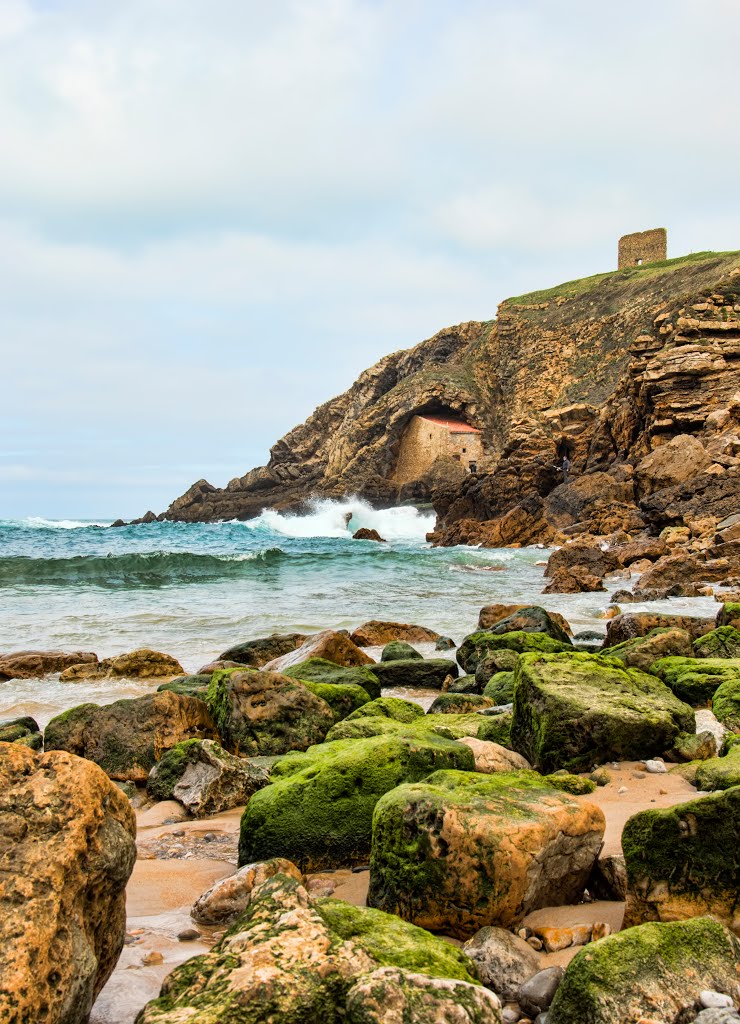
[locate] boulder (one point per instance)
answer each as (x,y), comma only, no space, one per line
(576,710)
(365,534)
(319,670)
(477,645)
(500,688)
(695,680)
(377,634)
(36,664)
(608,879)
(631,624)
(289,958)
(693,747)
(342,698)
(428,674)
(504,961)
(330,645)
(681,459)
(399,650)
(256,653)
(228,898)
(719,773)
(189,686)
(462,850)
(140,664)
(729,615)
(205,778)
(318,810)
(536,995)
(595,560)
(644,651)
(389,707)
(493,727)
(672,571)
(527,619)
(726,704)
(127,737)
(464,684)
(650,548)
(391,995)
(680,861)
(495,661)
(653,972)
(445,643)
(575,580)
(723,642)
(261,712)
(67,851)
(24,730)
(492,757)
(459,703)
(493,614)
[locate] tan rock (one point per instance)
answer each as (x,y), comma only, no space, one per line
(575,580)
(555,939)
(140,664)
(329,644)
(683,457)
(377,634)
(66,853)
(492,757)
(231,896)
(493,613)
(35,664)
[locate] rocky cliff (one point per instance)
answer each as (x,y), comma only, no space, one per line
(634,374)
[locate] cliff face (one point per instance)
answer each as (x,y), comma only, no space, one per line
(607,370)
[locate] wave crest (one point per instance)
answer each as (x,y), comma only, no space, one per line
(328,518)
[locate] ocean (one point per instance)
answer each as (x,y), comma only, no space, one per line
(192,590)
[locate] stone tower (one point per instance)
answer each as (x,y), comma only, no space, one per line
(642,247)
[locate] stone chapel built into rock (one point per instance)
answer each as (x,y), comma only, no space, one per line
(431,437)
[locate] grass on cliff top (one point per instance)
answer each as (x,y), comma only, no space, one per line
(571,289)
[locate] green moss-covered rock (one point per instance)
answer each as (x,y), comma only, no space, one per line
(642,651)
(342,698)
(577,785)
(477,645)
(319,670)
(500,688)
(399,650)
(652,972)
(294,960)
(266,712)
(726,704)
(389,707)
(695,680)
(205,778)
(693,747)
(190,686)
(533,619)
(24,731)
(494,662)
(723,642)
(392,942)
(458,703)
(461,850)
(681,861)
(127,737)
(318,810)
(573,711)
(729,614)
(170,768)
(464,684)
(428,674)
(496,728)
(719,772)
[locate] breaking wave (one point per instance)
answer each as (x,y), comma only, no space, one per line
(340,519)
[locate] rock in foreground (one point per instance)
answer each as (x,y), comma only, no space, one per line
(66,853)
(461,850)
(205,778)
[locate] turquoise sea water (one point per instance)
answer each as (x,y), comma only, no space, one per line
(193,590)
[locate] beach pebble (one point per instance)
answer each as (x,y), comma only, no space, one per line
(710,999)
(656,767)
(511,1014)
(622,789)
(536,994)
(639,775)
(155,957)
(535,943)
(188,934)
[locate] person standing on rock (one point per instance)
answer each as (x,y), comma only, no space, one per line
(565,468)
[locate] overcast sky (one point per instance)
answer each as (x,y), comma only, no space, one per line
(215,213)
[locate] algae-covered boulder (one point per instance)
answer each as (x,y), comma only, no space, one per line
(643,651)
(429,673)
(629,625)
(504,961)
(318,810)
(726,704)
(189,686)
(127,737)
(294,960)
(259,712)
(459,703)
(693,747)
(527,619)
(24,730)
(256,653)
(319,670)
(573,711)
(464,684)
(342,698)
(723,642)
(496,728)
(695,680)
(719,772)
(654,972)
(495,661)
(729,615)
(229,897)
(462,850)
(492,757)
(330,644)
(399,650)
(391,995)
(389,707)
(500,688)
(205,778)
(681,861)
(478,645)
(577,785)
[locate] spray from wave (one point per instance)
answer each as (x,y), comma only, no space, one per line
(39,523)
(340,519)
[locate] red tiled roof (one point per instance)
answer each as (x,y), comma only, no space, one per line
(454,426)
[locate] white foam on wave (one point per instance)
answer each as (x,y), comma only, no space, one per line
(328,518)
(39,523)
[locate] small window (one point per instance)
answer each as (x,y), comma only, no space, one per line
(639,262)
(430,437)
(464,450)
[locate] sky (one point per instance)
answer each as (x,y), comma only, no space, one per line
(215,213)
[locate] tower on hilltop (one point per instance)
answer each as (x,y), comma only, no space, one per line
(642,247)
